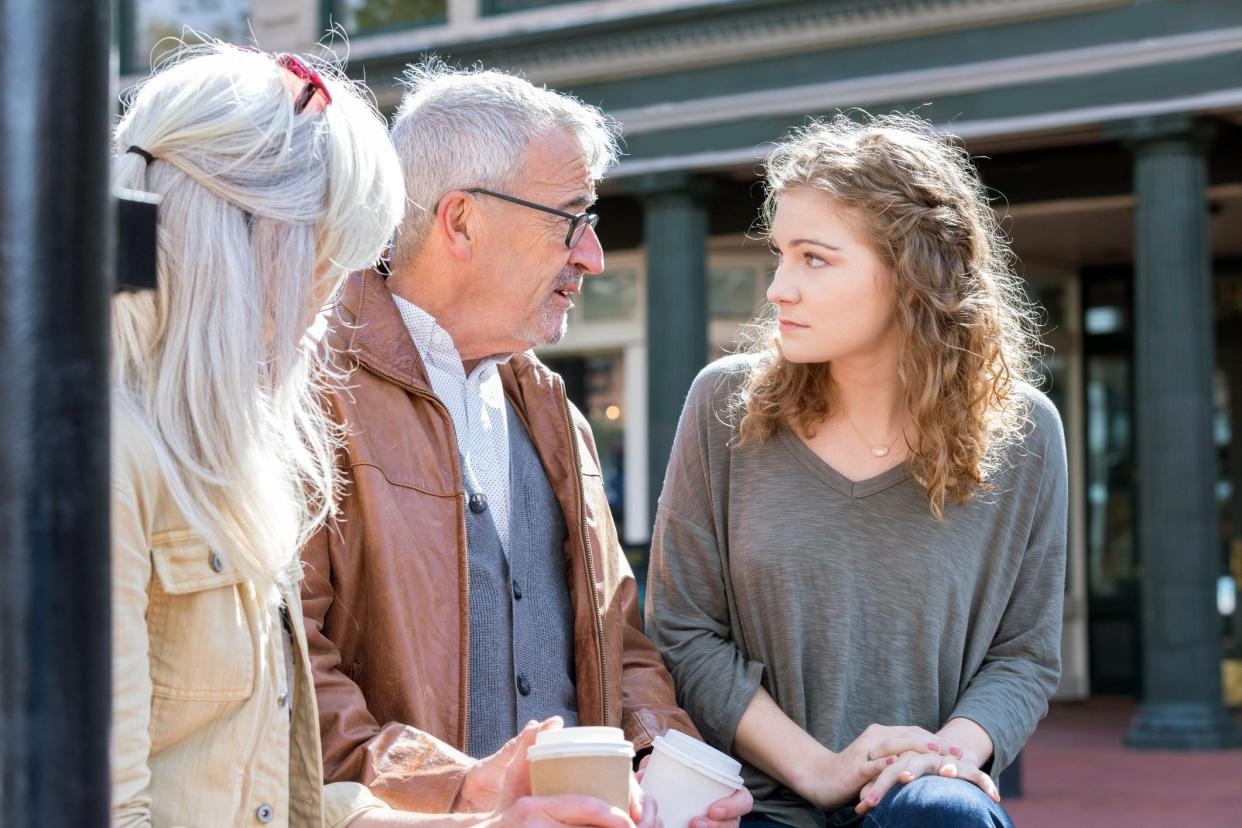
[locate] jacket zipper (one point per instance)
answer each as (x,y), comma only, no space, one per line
(465,665)
(590,558)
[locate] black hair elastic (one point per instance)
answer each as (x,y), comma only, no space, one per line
(142,152)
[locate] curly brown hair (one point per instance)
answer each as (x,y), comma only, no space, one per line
(968,333)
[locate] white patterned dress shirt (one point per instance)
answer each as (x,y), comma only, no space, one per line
(477,406)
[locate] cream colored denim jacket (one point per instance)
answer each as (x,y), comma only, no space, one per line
(205,729)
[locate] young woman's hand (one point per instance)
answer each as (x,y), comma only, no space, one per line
(837,778)
(882,740)
(642,807)
(911,765)
(833,779)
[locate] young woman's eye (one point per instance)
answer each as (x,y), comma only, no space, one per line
(814,261)
(775,251)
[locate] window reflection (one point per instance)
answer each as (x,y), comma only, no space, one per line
(363,16)
(156,24)
(1112,549)
(504,6)
(596,384)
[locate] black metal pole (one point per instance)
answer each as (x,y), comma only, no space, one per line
(55,255)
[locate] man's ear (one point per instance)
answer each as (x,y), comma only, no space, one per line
(457,221)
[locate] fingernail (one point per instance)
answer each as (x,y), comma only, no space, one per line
(716,813)
(933,747)
(956,752)
(872,798)
(890,760)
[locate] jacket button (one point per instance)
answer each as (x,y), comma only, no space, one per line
(517,590)
(215,562)
(264,813)
(523,685)
(478,503)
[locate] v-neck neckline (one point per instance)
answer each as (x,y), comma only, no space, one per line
(834,479)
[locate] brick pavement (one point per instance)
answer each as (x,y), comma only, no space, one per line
(1076,772)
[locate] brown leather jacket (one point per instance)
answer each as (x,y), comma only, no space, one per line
(385,590)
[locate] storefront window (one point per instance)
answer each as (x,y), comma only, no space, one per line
(734,292)
(1112,549)
(1228,422)
(596,384)
(365,16)
(505,6)
(610,297)
(156,25)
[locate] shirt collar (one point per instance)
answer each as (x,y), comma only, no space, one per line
(435,345)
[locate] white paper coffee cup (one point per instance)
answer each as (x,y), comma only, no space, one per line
(685,776)
(590,761)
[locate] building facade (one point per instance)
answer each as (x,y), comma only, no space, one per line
(1111,134)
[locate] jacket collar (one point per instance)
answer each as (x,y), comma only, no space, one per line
(370,327)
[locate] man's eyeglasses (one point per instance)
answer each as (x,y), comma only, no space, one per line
(578,222)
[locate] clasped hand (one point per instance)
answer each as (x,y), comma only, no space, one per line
(881,757)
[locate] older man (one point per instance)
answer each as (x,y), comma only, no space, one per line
(473,580)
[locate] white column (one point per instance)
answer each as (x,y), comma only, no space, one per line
(637,527)
(463,12)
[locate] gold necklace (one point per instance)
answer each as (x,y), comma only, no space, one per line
(876,450)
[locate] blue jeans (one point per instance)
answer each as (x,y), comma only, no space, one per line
(927,802)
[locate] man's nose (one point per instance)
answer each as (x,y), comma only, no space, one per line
(588,254)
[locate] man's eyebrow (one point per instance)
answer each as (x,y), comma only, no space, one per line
(824,245)
(578,202)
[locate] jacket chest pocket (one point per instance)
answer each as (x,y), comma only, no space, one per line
(199,623)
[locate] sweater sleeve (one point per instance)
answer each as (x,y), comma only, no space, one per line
(688,609)
(1009,694)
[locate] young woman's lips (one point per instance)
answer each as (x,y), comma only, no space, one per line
(787,326)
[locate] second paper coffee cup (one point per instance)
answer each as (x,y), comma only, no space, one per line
(591,761)
(685,776)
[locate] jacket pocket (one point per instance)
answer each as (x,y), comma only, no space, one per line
(199,622)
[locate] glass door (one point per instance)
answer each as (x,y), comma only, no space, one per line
(1062,365)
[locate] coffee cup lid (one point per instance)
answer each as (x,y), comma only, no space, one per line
(701,757)
(581,741)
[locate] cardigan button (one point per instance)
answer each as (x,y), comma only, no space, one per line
(264,813)
(215,562)
(478,503)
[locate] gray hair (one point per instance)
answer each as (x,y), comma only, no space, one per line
(458,128)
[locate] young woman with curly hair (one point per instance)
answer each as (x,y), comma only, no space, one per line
(858,561)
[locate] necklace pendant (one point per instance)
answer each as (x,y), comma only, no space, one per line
(880,451)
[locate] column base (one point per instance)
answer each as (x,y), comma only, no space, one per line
(1183,727)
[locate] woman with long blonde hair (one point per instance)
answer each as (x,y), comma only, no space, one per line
(859,554)
(276,178)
